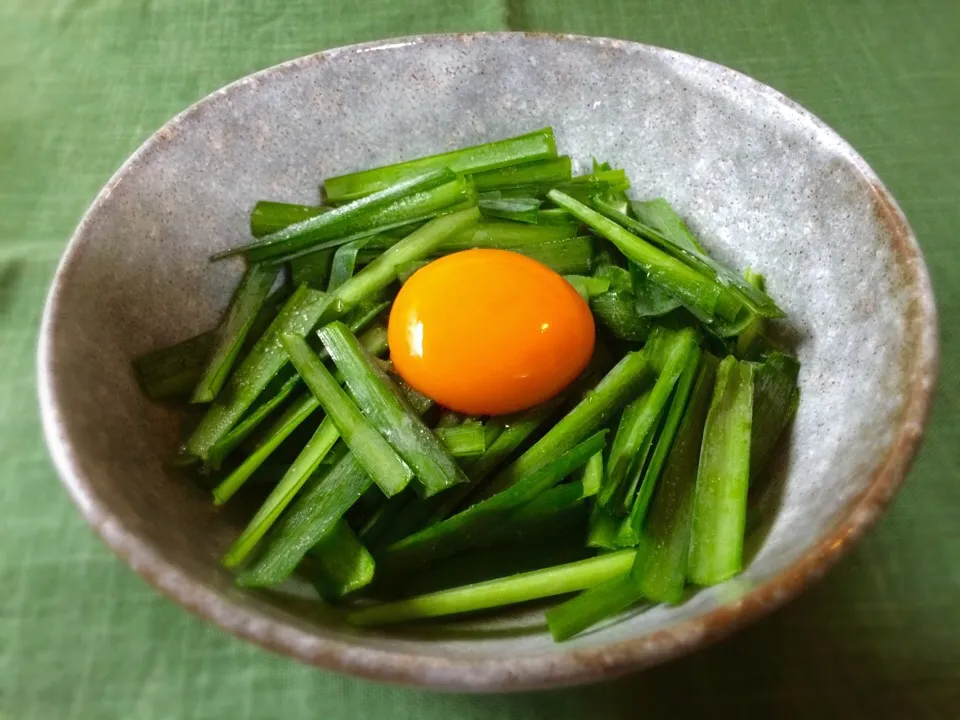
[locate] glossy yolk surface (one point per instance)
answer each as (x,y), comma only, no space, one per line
(488,332)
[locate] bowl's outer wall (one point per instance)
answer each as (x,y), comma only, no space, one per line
(762,183)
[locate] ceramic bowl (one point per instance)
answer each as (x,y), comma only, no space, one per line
(761,181)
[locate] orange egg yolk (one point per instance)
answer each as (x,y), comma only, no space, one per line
(489,332)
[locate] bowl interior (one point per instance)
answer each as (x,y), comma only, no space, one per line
(760,181)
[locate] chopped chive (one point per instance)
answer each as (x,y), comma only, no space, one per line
(618,198)
(582,187)
(342,564)
(548,582)
(565,257)
(299,314)
(449,419)
(527,148)
(650,300)
(293,479)
(302,311)
(550,508)
(379,236)
(775,400)
(720,500)
(619,308)
(374,392)
(660,571)
(629,533)
(406,271)
(465,440)
(508,236)
(378,209)
(747,294)
(602,529)
(376,456)
(616,310)
(556,246)
(329,496)
(405,514)
(592,475)
(313,268)
(555,216)
(660,216)
(269,217)
(374,339)
(419,244)
(523,545)
(601,182)
(325,499)
(467,528)
(626,447)
(588,287)
(280,430)
(242,430)
(514,430)
(697,292)
(361,317)
(381,520)
(640,418)
(344,263)
(173,371)
(548,172)
(612,393)
(755,329)
(627,492)
(519,209)
(592,606)
(244,307)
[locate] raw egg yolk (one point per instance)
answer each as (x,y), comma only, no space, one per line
(489,332)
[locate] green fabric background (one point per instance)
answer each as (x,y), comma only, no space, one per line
(84,82)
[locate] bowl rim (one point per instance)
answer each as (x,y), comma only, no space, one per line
(524,672)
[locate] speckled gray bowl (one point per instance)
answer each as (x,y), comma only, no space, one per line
(763,183)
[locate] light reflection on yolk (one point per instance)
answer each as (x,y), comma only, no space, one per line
(415,338)
(488,332)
